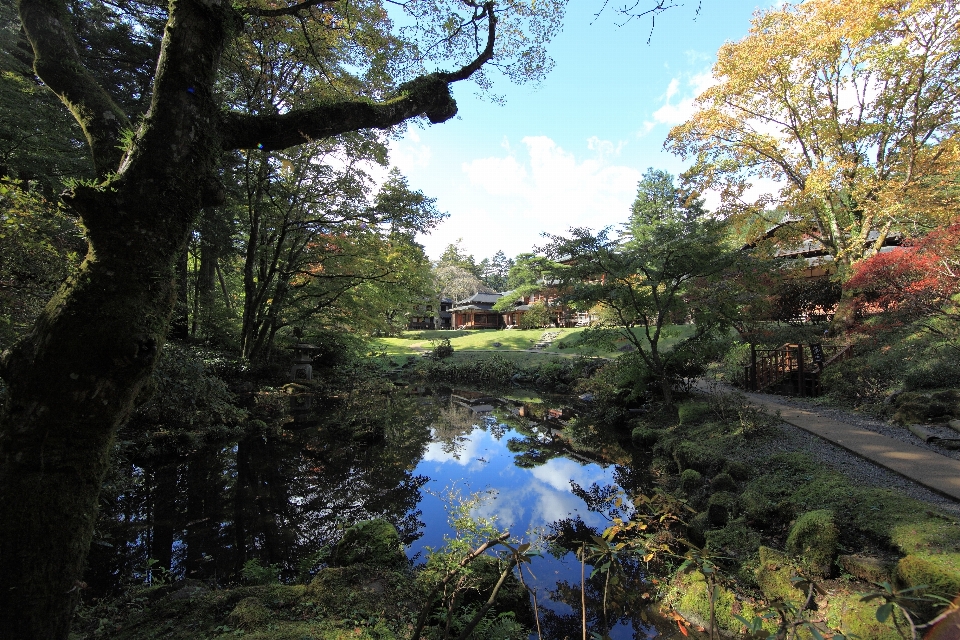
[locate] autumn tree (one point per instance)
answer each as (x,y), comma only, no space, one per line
(75,377)
(846,108)
(918,281)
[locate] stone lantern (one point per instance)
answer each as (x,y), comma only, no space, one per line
(302,367)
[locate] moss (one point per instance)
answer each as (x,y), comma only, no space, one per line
(697,529)
(814,538)
(374,542)
(644,437)
(867,568)
(735,540)
(939,573)
(690,596)
(720,508)
(858,619)
(690,480)
(739,470)
(248,613)
(722,482)
(774,575)
(691,455)
(693,412)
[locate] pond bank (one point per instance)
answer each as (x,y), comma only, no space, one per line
(761,489)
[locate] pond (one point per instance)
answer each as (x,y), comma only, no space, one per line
(281,495)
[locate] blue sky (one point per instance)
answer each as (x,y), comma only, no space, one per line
(570,151)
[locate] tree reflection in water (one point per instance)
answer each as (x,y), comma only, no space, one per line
(199,507)
(194,502)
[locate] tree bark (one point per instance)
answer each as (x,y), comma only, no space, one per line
(73,380)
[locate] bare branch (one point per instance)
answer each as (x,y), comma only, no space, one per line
(292,10)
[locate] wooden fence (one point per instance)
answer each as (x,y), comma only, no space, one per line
(792,369)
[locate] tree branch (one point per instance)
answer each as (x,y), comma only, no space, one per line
(57,62)
(292,10)
(427,95)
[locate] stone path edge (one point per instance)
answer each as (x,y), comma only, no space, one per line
(925,467)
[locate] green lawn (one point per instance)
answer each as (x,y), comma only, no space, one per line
(511,340)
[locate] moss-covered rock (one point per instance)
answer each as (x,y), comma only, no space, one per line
(867,568)
(722,482)
(813,538)
(693,412)
(735,540)
(690,480)
(644,437)
(720,508)
(739,470)
(856,619)
(697,528)
(692,455)
(775,576)
(939,573)
(248,614)
(374,542)
(689,595)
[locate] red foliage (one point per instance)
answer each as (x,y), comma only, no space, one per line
(918,279)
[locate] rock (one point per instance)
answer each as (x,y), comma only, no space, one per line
(248,613)
(690,479)
(867,568)
(813,537)
(373,542)
(720,508)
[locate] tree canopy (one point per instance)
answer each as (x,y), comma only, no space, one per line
(841,113)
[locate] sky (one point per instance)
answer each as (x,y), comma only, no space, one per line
(570,151)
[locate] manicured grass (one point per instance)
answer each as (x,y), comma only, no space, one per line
(518,340)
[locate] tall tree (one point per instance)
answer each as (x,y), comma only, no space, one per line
(848,107)
(657,272)
(494,271)
(75,377)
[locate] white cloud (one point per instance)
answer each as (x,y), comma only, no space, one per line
(679,112)
(551,188)
(409,153)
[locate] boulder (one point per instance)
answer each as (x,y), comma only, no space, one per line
(813,539)
(373,542)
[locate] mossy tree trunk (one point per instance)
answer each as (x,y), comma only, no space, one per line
(72,381)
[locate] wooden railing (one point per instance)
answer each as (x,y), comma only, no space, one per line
(789,369)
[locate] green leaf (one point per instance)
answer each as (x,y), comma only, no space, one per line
(884,611)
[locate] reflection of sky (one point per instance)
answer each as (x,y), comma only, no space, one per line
(521,501)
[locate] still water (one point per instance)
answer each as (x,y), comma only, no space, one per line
(202,508)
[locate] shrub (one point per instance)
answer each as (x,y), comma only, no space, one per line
(441,349)
(255,573)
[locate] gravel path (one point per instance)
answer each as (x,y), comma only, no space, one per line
(851,465)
